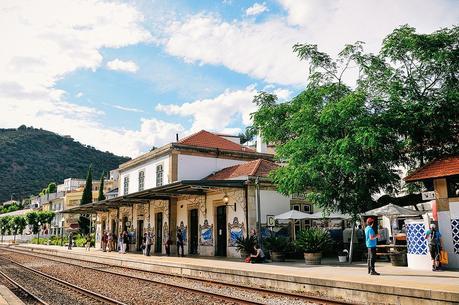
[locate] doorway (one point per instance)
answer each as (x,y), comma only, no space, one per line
(139,234)
(221,231)
(113,227)
(193,232)
(159,233)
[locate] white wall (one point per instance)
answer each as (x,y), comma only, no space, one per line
(149,168)
(195,167)
(272,203)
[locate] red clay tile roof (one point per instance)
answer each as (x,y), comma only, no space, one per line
(257,167)
(207,139)
(444,167)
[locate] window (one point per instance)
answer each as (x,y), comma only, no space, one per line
(307,208)
(453,186)
(159,175)
(141,180)
(126,185)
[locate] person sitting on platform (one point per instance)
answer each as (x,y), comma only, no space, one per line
(259,256)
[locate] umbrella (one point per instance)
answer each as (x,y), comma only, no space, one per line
(392,210)
(292,215)
(319,215)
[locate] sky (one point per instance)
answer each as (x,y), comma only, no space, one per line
(124,76)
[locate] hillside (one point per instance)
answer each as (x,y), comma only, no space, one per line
(30,158)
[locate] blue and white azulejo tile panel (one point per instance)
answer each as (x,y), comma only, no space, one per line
(415,238)
(455,234)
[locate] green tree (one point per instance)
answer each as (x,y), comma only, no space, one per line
(52,188)
(101,195)
(45,217)
(341,144)
(18,224)
(32,220)
(86,198)
(4,224)
(414,81)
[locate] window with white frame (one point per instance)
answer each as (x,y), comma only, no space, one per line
(126,185)
(159,175)
(141,180)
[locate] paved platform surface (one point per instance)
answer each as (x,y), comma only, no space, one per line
(8,298)
(443,285)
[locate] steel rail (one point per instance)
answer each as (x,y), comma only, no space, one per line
(94,295)
(21,287)
(259,289)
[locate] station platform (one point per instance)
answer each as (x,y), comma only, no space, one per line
(8,298)
(333,281)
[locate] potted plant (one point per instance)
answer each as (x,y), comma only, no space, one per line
(245,245)
(277,247)
(398,258)
(313,242)
(342,256)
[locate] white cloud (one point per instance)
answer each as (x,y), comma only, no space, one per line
(120,65)
(79,94)
(261,50)
(41,47)
(128,109)
(264,49)
(256,9)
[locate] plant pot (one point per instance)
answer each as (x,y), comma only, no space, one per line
(277,256)
(313,258)
(342,258)
(399,259)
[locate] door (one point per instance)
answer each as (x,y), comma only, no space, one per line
(159,233)
(193,232)
(139,234)
(221,231)
(113,229)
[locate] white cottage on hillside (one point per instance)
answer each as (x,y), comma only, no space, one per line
(205,184)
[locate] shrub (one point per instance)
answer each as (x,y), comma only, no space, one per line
(245,245)
(313,240)
(277,243)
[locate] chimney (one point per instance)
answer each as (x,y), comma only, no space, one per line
(262,147)
(176,137)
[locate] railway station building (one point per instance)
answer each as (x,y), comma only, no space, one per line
(207,185)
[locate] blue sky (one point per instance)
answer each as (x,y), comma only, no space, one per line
(125,76)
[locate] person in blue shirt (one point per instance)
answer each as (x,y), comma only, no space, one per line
(434,237)
(371,240)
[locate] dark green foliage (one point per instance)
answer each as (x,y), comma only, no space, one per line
(342,144)
(30,158)
(18,224)
(45,217)
(10,208)
(313,240)
(32,220)
(277,243)
(52,188)
(101,195)
(5,224)
(246,245)
(87,192)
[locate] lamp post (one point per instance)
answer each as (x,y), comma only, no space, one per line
(14,236)
(38,234)
(2,233)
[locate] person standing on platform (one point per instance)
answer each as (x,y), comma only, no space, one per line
(104,241)
(120,243)
(88,242)
(371,240)
(110,241)
(125,241)
(180,243)
(433,236)
(148,243)
(167,245)
(70,241)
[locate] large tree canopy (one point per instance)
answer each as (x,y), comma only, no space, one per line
(343,144)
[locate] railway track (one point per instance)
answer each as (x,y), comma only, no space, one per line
(106,268)
(46,289)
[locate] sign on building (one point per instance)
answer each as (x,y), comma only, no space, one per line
(428,195)
(270,221)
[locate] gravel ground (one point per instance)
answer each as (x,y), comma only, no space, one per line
(221,289)
(46,289)
(23,296)
(126,290)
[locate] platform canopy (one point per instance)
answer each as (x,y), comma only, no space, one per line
(164,192)
(321,215)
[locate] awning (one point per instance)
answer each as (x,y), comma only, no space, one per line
(164,192)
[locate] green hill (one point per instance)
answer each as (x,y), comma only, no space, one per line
(30,158)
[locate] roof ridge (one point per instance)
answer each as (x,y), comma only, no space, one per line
(257,166)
